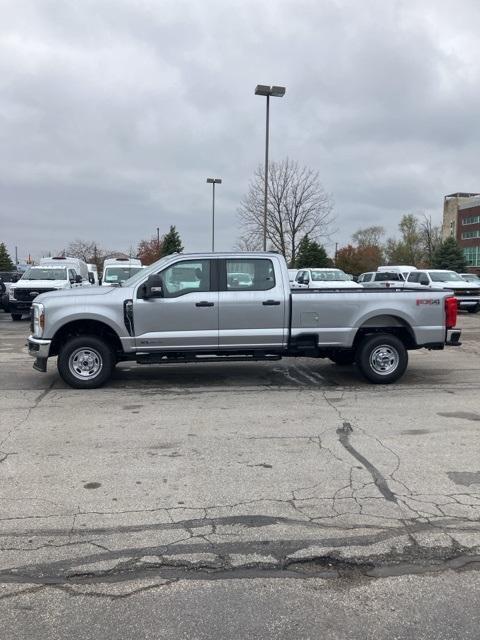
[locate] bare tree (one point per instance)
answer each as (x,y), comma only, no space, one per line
(369,236)
(87,251)
(298,205)
(431,238)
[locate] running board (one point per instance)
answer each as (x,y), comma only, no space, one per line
(174,358)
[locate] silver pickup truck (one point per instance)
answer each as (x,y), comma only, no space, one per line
(224,306)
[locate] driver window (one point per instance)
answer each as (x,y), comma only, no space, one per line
(186,277)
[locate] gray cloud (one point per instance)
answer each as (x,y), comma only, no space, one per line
(113,113)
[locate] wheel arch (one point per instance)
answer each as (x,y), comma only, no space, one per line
(386,323)
(80,327)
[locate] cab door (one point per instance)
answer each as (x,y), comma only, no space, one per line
(252,306)
(186,317)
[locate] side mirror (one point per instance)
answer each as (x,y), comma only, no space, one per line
(424,281)
(154,286)
(78,279)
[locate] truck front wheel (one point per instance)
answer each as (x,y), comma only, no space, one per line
(382,358)
(85,362)
(16,317)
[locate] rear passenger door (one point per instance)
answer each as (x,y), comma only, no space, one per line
(251,304)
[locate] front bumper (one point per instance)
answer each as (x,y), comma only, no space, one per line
(39,348)
(19,306)
(465,302)
(453,337)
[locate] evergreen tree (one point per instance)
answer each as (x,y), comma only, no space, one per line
(171,242)
(310,254)
(449,256)
(5,262)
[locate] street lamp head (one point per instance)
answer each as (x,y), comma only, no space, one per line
(278,92)
(262,90)
(214,180)
(266,90)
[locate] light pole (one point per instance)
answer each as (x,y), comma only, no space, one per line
(276,92)
(213,182)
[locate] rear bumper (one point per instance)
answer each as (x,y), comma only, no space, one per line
(453,337)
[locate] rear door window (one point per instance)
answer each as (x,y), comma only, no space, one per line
(256,274)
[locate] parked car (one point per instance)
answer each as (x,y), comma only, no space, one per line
(387,279)
(471,277)
(117,270)
(323,279)
(398,268)
(466,293)
(37,280)
(292,274)
(7,278)
(151,321)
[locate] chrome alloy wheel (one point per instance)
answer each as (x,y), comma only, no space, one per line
(384,359)
(85,363)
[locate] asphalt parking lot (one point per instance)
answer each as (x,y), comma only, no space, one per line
(268,500)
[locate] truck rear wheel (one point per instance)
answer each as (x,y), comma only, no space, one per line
(16,317)
(85,362)
(382,358)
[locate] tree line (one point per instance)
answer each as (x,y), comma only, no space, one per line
(419,244)
(148,250)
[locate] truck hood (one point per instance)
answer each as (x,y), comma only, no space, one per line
(77,292)
(455,284)
(41,284)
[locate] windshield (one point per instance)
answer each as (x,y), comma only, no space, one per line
(142,273)
(470,277)
(335,275)
(445,276)
(120,274)
(383,276)
(45,274)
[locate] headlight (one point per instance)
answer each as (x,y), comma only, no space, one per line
(38,319)
(11,294)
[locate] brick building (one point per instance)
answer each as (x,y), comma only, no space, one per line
(461,219)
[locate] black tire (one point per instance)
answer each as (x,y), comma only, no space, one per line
(343,358)
(16,317)
(382,358)
(474,310)
(94,370)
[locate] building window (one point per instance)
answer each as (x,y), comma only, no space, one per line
(470,234)
(471,220)
(472,256)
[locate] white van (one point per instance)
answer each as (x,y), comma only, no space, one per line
(80,267)
(117,270)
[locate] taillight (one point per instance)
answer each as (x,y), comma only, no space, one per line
(450,312)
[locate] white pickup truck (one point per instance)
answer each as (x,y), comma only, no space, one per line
(223,306)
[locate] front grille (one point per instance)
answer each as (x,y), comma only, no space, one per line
(466,292)
(25,295)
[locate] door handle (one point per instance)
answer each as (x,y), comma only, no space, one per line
(204,303)
(271,303)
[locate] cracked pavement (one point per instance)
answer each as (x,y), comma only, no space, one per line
(287,473)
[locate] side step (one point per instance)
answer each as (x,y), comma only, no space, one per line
(173,358)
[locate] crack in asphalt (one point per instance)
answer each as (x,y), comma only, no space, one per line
(379,480)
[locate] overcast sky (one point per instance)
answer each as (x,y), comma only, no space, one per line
(114,112)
